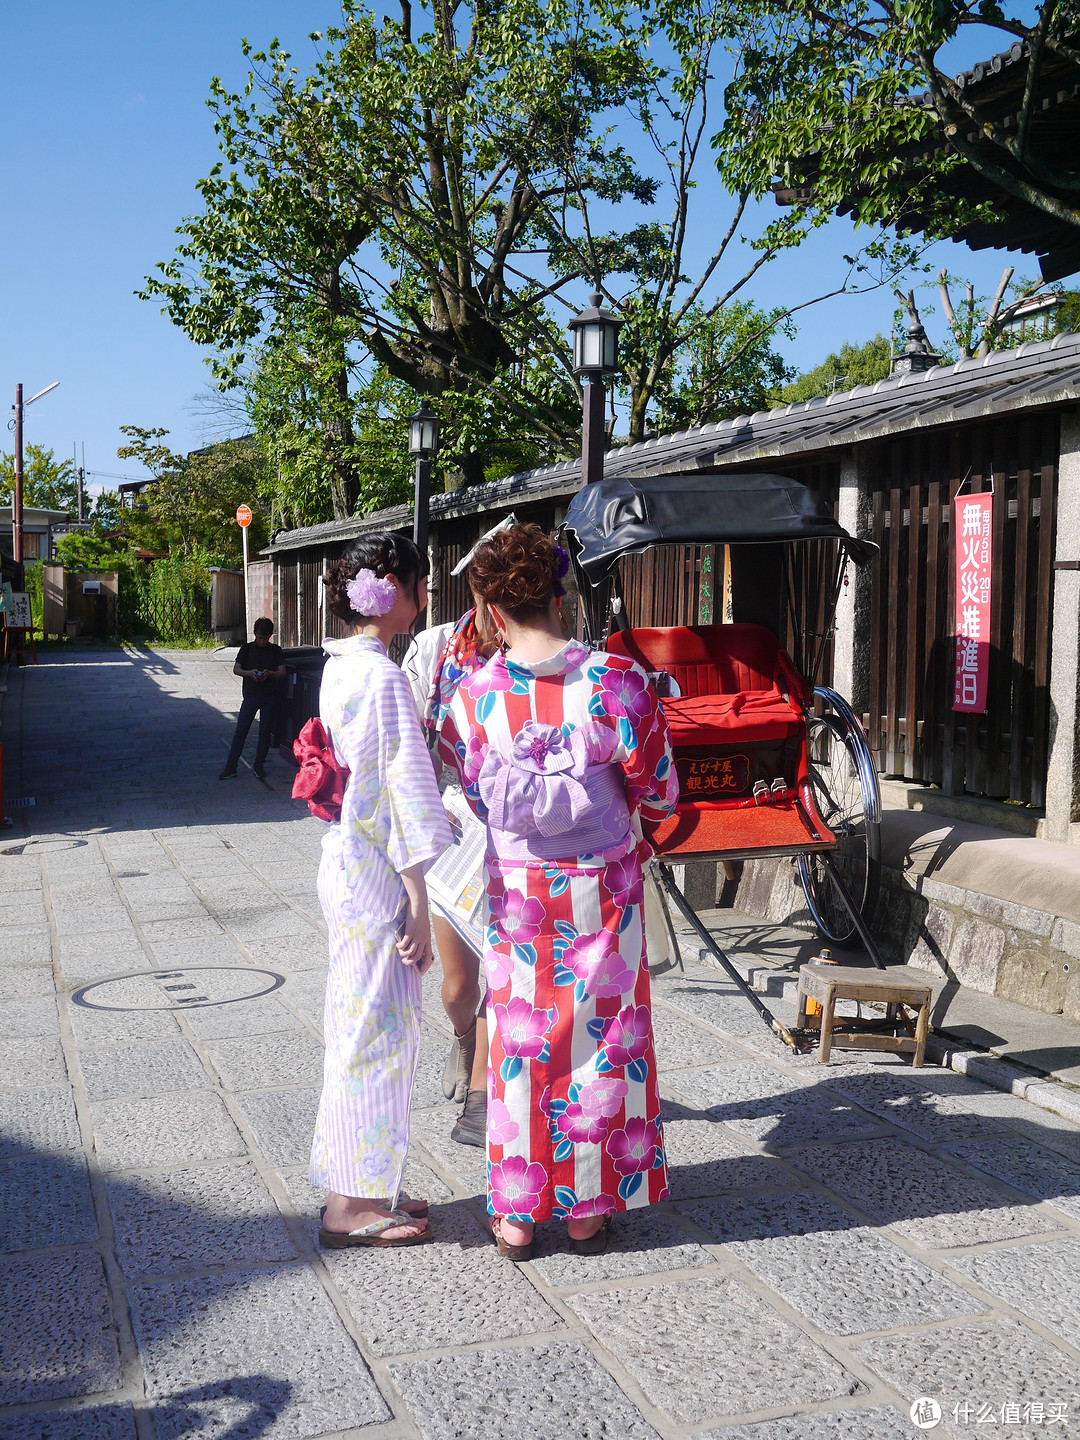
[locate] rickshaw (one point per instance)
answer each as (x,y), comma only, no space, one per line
(770,761)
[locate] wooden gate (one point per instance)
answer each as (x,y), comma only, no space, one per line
(911,723)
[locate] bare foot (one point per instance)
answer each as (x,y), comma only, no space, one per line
(514,1232)
(586,1227)
(345,1213)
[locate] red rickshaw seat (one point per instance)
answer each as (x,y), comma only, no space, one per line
(740,690)
(734,679)
(747,718)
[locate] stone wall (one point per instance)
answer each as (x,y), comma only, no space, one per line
(1030,957)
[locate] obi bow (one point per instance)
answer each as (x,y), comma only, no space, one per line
(543,786)
(320,780)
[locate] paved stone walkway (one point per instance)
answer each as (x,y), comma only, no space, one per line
(839,1240)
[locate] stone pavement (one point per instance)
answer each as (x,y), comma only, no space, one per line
(839,1241)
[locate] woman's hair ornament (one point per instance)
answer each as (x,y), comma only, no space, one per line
(368,595)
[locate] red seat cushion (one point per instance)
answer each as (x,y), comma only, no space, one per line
(747,718)
(713,659)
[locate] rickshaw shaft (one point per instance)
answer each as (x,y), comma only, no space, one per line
(703,935)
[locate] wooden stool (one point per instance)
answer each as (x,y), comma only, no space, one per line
(895,987)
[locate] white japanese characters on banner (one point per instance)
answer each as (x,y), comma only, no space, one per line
(972,528)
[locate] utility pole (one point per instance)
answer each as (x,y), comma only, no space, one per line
(80,475)
(17,497)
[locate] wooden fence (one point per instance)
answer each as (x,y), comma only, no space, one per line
(911,723)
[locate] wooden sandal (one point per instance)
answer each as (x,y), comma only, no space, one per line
(506,1250)
(594,1244)
(372,1235)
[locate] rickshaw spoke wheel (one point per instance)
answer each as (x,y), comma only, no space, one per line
(844,788)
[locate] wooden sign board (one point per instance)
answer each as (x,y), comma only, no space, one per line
(17,616)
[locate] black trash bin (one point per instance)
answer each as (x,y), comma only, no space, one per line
(299,693)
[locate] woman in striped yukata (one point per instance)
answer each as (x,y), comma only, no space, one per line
(372,892)
(561,750)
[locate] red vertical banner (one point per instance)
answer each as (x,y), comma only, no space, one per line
(973,517)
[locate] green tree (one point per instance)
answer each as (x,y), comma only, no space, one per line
(417,209)
(48,483)
(864,364)
(394,200)
(90,550)
(190,508)
(717,374)
(854,104)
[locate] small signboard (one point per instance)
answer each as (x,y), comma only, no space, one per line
(243,516)
(17,615)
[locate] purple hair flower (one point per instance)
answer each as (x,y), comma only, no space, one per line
(368,595)
(562,565)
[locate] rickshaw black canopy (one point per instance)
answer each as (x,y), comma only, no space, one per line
(623,516)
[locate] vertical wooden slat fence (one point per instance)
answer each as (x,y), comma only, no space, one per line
(911,723)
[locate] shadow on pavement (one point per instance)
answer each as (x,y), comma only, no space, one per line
(105,739)
(228,1339)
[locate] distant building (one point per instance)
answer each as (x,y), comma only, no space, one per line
(38,531)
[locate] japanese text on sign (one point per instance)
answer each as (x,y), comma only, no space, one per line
(972,529)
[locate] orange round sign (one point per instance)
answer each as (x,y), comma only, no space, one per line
(243,516)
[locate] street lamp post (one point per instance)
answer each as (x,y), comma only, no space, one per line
(423,444)
(596,359)
(17,494)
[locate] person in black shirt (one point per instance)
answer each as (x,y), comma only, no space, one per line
(262,665)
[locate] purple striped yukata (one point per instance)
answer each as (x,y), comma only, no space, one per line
(391,818)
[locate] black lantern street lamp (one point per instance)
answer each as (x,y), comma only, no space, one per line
(596,358)
(423,444)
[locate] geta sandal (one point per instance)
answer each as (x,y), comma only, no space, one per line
(506,1250)
(594,1244)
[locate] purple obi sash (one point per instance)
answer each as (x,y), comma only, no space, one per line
(556,796)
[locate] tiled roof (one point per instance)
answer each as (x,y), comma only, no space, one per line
(1037,374)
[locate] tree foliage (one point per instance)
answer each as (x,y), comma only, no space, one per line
(190,508)
(48,483)
(852,365)
(421,213)
(835,96)
(93,550)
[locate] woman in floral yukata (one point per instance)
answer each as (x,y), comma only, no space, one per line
(560,751)
(372,892)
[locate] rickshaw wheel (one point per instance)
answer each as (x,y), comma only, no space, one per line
(844,785)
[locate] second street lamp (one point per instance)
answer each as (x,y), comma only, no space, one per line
(596,359)
(423,444)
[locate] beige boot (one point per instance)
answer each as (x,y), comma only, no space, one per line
(459,1064)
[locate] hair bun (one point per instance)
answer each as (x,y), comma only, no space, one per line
(517,570)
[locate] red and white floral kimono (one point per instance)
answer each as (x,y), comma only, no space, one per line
(560,758)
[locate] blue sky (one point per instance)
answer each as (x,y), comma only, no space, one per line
(105,131)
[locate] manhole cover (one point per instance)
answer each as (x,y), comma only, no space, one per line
(33,846)
(192,988)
